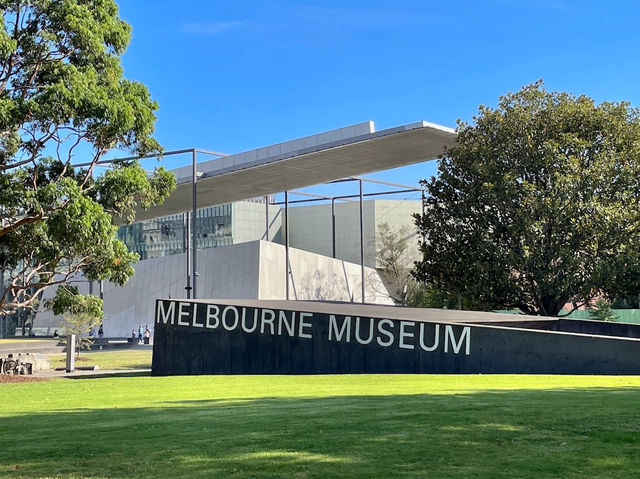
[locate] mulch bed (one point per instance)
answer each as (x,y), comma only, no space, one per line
(18,378)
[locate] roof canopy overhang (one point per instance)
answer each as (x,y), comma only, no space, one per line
(349,151)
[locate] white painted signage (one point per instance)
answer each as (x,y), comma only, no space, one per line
(386,333)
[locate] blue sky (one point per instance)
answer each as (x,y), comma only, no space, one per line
(231,76)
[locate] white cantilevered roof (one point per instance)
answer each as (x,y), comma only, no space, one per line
(336,154)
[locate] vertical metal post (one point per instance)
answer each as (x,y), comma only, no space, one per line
(361,244)
(266,217)
(194,224)
(90,287)
(101,290)
(333,227)
(286,243)
(423,211)
(71,353)
(185,233)
(188,254)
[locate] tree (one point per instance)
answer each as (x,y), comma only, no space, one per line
(81,313)
(64,101)
(536,205)
(394,261)
(603,311)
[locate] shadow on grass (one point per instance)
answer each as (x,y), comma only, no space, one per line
(118,374)
(527,434)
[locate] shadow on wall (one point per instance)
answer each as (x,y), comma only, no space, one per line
(318,286)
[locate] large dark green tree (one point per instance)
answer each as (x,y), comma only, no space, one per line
(64,101)
(537,205)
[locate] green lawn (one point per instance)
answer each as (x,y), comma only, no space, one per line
(323,426)
(114,359)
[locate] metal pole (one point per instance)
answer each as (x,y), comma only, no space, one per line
(424,236)
(185,233)
(333,227)
(286,243)
(266,217)
(71,353)
(194,248)
(361,245)
(188,254)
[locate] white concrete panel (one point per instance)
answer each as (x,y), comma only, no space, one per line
(251,270)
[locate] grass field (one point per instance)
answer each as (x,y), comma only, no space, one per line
(322,426)
(114,359)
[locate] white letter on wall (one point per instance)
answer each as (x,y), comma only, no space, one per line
(436,339)
(465,336)
(166,314)
(212,315)
(182,312)
(388,334)
(269,321)
(404,334)
(302,325)
(333,328)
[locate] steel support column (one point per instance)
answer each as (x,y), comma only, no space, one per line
(187,218)
(286,243)
(333,227)
(361,245)
(266,217)
(194,225)
(423,197)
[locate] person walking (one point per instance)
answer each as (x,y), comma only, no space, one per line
(140,333)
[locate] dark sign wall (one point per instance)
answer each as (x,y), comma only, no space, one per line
(210,338)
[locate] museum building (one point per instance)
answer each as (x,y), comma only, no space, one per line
(223,234)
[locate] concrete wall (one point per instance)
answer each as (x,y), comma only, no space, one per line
(251,270)
(248,221)
(310,227)
(316,277)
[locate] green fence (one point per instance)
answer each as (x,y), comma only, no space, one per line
(624,315)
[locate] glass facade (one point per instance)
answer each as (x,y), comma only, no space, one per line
(167,235)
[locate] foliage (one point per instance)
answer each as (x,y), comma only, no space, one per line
(62,98)
(324,426)
(536,205)
(81,313)
(603,311)
(394,260)
(395,263)
(428,296)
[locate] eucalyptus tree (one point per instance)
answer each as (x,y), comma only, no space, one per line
(64,101)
